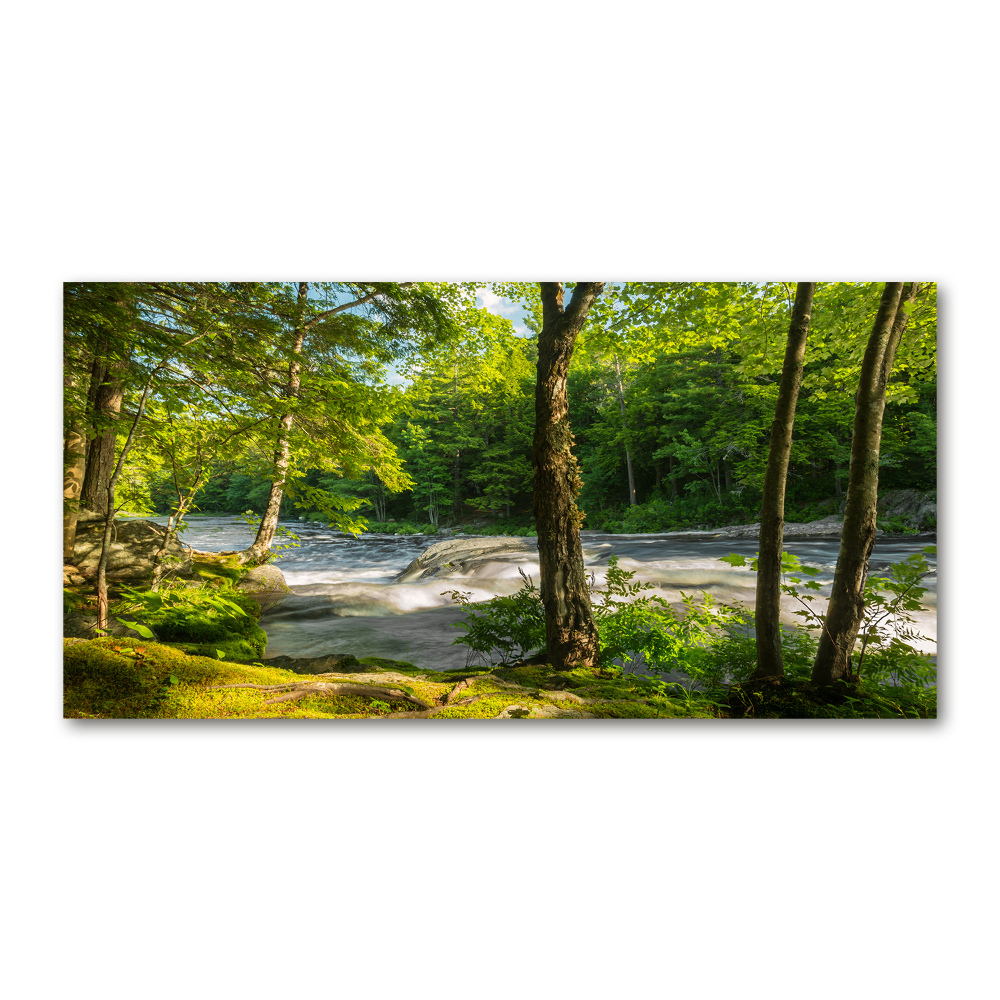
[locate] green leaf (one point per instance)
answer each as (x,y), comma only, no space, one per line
(141,629)
(220,654)
(174,680)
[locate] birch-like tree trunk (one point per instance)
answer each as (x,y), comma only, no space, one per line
(846,610)
(772,517)
(570,630)
(258,552)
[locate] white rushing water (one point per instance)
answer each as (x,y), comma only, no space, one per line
(348,598)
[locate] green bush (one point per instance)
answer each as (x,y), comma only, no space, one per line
(212,618)
(633,630)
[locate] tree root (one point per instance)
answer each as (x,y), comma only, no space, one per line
(299,689)
(427,713)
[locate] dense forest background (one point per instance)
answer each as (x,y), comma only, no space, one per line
(672,389)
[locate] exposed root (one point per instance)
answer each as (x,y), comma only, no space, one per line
(426,714)
(460,686)
(299,689)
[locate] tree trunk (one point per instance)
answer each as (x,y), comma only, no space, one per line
(628,454)
(74,468)
(670,474)
(109,517)
(106,391)
(846,610)
(570,630)
(259,551)
(772,517)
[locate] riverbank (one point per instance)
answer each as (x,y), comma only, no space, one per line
(112,678)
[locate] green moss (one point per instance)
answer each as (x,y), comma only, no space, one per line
(130,678)
(400,666)
(224,567)
(488,707)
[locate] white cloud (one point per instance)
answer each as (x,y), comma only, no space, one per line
(495,304)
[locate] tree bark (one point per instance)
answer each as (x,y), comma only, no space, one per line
(570,630)
(846,609)
(74,465)
(106,391)
(772,517)
(74,468)
(109,517)
(259,551)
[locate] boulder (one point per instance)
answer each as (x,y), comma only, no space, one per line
(343,663)
(917,510)
(133,546)
(826,527)
(463,553)
(264,579)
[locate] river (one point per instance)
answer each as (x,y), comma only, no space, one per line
(349,599)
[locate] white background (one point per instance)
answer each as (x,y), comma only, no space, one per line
(522,141)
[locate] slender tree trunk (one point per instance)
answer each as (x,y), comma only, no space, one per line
(628,455)
(772,518)
(107,394)
(259,551)
(670,474)
(109,517)
(846,610)
(570,630)
(74,468)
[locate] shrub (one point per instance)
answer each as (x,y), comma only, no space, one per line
(213,618)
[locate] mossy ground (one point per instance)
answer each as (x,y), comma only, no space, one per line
(116,678)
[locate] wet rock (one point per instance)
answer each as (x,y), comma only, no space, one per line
(464,553)
(332,663)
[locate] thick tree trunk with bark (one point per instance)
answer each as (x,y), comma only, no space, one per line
(106,391)
(846,610)
(772,517)
(258,552)
(570,630)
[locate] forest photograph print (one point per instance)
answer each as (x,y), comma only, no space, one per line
(500,500)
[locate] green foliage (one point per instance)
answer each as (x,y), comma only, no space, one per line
(210,618)
(896,526)
(508,627)
(505,528)
(285,538)
(634,630)
(886,653)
